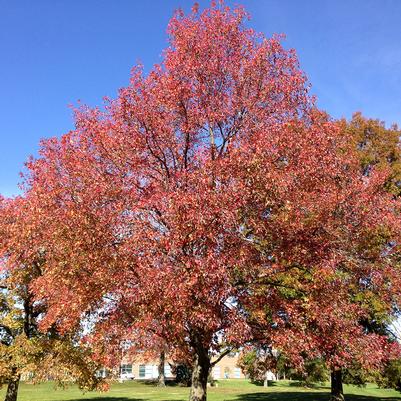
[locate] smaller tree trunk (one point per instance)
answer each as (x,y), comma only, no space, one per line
(12,389)
(161,379)
(200,373)
(337,393)
(266,381)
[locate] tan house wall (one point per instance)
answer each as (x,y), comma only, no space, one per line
(225,369)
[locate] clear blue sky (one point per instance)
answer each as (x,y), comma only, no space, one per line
(54,52)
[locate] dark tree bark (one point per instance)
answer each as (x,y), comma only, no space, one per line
(337,393)
(200,373)
(12,389)
(161,379)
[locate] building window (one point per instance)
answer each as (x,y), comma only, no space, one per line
(167,370)
(148,371)
(126,369)
(151,371)
(237,373)
(102,372)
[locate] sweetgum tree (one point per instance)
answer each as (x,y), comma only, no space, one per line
(327,238)
(24,349)
(207,204)
(378,147)
(136,206)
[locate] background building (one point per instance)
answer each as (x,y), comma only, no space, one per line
(225,369)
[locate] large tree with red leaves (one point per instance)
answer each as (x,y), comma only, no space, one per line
(328,239)
(206,205)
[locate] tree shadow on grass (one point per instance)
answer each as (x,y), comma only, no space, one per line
(311,386)
(314,386)
(154,383)
(272,383)
(261,383)
(113,398)
(306,396)
(109,399)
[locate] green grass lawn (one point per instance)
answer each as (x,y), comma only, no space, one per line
(237,390)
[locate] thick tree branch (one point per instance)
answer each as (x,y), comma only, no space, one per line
(221,356)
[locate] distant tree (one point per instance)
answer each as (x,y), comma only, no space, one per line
(390,377)
(183,374)
(24,349)
(257,362)
(377,146)
(358,376)
(314,371)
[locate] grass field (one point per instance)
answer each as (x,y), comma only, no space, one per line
(236,390)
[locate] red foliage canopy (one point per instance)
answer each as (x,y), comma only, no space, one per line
(211,203)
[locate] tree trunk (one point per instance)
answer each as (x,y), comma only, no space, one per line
(266,381)
(161,379)
(12,389)
(337,393)
(200,372)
